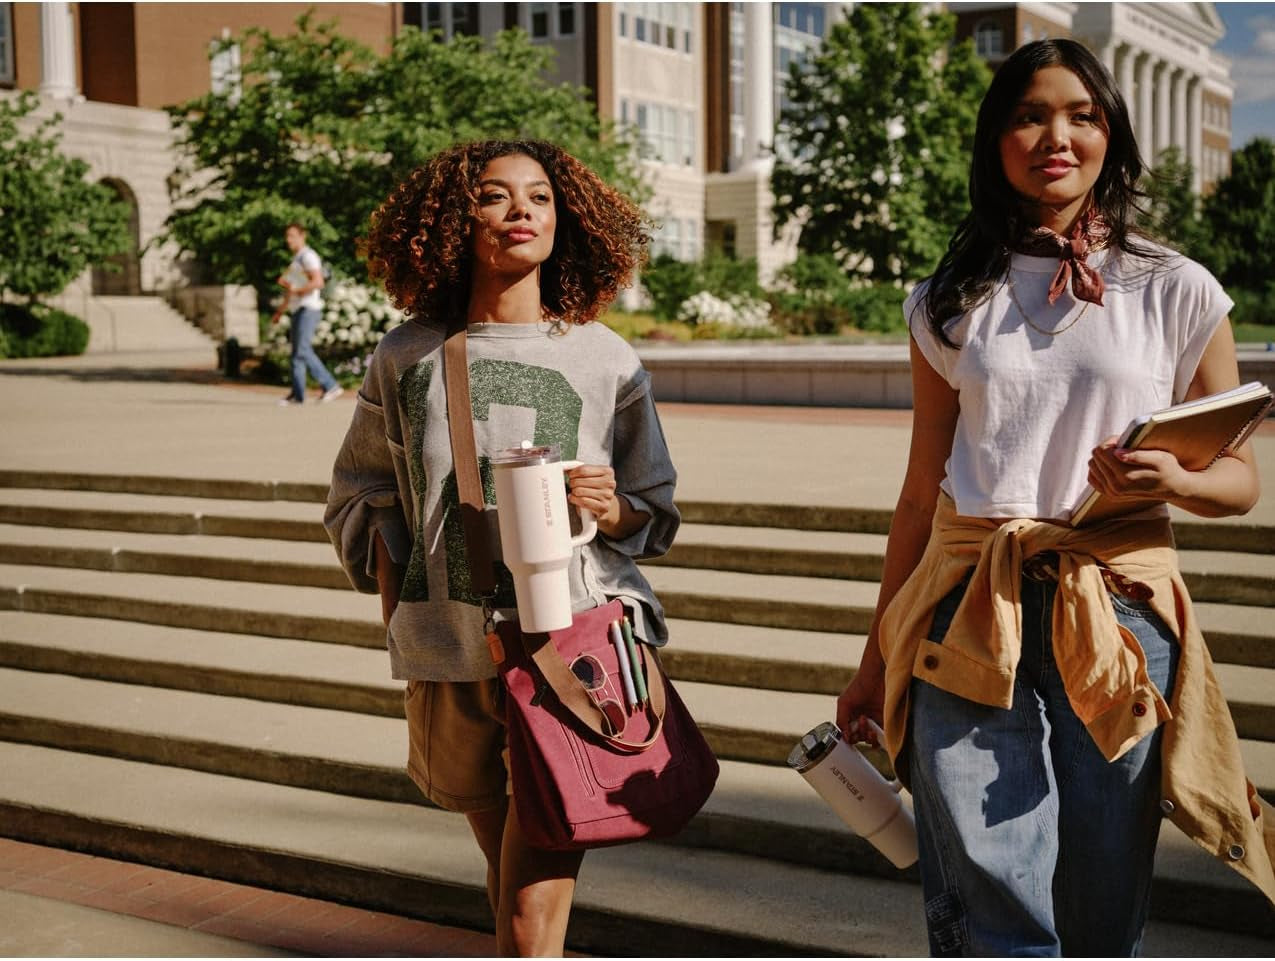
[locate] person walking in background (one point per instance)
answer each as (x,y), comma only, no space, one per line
(302,284)
(526,246)
(1045,690)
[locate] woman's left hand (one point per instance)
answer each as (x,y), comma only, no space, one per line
(593,490)
(1137,474)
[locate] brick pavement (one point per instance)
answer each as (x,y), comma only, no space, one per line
(205,906)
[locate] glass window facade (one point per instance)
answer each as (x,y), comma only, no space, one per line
(451,19)
(989,39)
(538,14)
(667,25)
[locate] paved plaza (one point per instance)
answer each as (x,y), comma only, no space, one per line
(173,415)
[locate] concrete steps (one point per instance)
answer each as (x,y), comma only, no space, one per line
(123,324)
(190,649)
(630,900)
(752,813)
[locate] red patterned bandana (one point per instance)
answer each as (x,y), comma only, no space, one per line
(1086,283)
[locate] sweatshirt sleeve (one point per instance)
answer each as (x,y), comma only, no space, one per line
(364,498)
(644,473)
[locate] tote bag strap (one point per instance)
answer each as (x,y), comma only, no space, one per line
(469,485)
(577,700)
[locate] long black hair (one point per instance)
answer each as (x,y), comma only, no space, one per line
(978,254)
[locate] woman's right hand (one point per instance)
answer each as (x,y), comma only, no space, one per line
(864,697)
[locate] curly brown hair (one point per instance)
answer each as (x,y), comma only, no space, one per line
(419,243)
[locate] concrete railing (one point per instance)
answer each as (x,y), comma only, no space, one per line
(815,375)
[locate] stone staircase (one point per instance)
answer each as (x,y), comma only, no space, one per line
(129,324)
(186,680)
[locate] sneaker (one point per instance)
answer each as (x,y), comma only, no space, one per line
(289,401)
(332,393)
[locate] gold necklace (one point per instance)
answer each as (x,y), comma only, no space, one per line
(1048,333)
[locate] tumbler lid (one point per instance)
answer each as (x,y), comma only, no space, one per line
(813,746)
(527,455)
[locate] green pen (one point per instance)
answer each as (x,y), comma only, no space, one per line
(638,680)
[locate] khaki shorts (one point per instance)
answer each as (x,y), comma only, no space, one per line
(456,750)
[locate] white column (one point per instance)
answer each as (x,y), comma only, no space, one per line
(1163,115)
(1107,54)
(1179,111)
(1124,78)
(1195,130)
(57,51)
(759,83)
(1146,106)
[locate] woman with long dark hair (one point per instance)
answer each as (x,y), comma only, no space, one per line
(526,246)
(1044,689)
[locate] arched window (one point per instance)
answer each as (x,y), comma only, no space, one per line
(989,39)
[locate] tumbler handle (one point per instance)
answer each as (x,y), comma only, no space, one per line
(588,523)
(876,729)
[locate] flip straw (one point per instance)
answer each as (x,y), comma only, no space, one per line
(617,640)
(639,682)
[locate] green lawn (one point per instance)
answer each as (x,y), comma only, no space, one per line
(1255,333)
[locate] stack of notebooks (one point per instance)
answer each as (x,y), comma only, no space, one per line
(1197,432)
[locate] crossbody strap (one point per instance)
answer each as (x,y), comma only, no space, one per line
(469,485)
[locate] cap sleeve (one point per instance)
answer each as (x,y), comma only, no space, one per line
(1202,305)
(937,354)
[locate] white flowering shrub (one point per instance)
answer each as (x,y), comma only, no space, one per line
(355,318)
(736,314)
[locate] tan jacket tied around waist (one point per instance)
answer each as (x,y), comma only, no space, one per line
(1203,787)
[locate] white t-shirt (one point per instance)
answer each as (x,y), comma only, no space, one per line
(1034,406)
(303,264)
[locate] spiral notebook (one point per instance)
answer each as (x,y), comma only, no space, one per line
(1197,432)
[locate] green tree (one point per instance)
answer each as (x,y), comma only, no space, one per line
(321,128)
(1239,219)
(874,144)
(1172,208)
(53,222)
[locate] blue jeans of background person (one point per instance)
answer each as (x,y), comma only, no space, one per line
(304,322)
(1031,842)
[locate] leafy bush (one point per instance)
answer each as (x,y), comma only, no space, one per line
(811,296)
(815,295)
(39,331)
(878,308)
(1253,307)
(669,282)
(355,318)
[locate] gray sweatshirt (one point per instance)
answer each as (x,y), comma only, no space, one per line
(584,389)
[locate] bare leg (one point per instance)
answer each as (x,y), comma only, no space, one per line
(489,828)
(536,888)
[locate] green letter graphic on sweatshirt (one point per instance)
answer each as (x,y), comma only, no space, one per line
(500,383)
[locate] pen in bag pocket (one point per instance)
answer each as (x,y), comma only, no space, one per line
(621,655)
(639,682)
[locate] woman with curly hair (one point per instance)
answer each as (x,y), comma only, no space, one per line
(526,246)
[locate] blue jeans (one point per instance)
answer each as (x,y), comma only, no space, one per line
(304,322)
(1031,842)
